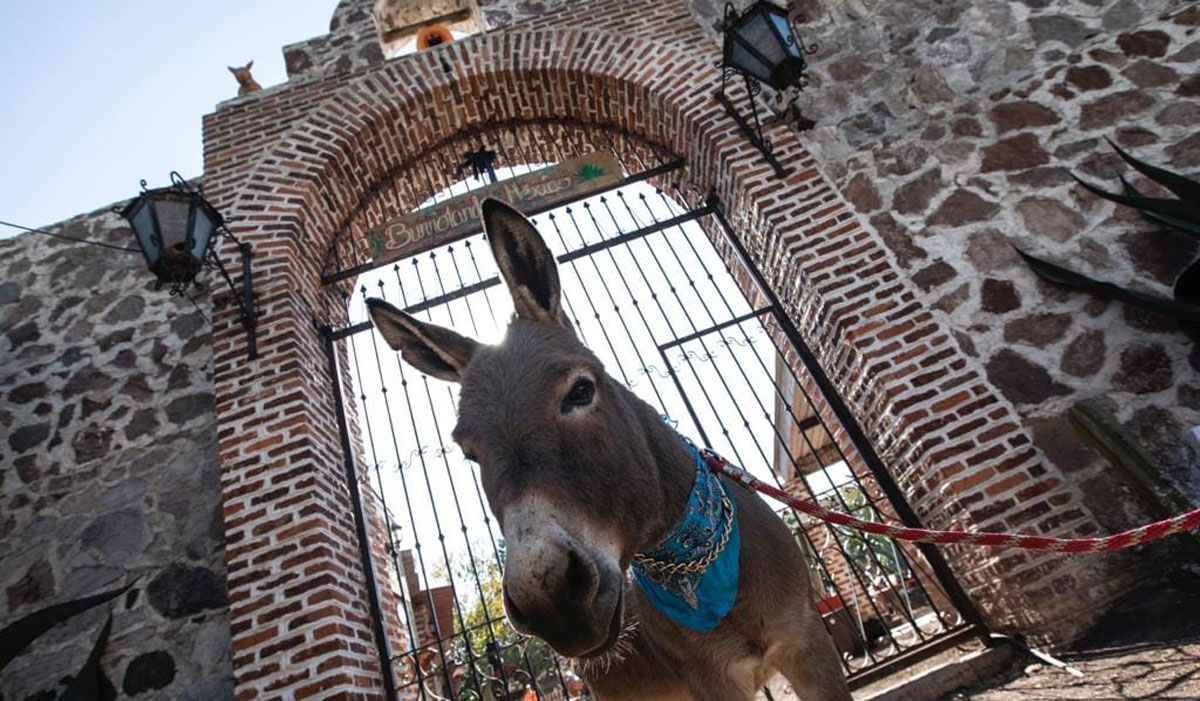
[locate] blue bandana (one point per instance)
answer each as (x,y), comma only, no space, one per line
(696,598)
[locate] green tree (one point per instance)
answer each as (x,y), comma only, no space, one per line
(873,554)
(483,629)
(816,577)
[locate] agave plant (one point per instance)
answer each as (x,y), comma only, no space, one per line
(1181,214)
(89,684)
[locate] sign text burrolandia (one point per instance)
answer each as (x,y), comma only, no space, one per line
(459,216)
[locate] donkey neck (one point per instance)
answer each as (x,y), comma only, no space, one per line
(676,472)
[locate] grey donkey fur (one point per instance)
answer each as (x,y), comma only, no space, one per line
(582,474)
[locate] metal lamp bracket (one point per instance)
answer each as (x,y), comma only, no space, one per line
(752,132)
(246,300)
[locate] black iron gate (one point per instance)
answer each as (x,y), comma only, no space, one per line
(652,296)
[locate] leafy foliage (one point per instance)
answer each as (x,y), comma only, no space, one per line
(872,554)
(1107,290)
(818,580)
(90,684)
(19,635)
(484,635)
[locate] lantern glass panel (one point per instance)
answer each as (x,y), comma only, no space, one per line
(202,231)
(172,213)
(142,220)
(784,27)
(758,32)
(745,61)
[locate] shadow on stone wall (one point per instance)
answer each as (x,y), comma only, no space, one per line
(111,469)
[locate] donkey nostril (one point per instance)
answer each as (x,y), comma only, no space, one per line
(581,579)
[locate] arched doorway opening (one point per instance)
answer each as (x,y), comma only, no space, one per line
(292,166)
(684,320)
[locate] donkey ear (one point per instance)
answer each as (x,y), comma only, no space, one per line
(232,70)
(525,263)
(250,65)
(434,350)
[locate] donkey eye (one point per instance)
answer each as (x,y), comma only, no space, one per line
(581,394)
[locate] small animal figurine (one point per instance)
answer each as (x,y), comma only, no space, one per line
(246,82)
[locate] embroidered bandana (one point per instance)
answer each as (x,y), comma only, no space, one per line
(675,576)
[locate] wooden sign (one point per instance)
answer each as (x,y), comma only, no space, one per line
(458,217)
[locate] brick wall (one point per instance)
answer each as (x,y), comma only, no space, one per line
(293,164)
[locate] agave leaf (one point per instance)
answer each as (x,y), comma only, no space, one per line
(1128,188)
(18,636)
(1174,213)
(1106,290)
(1184,188)
(1187,285)
(89,684)
(1152,218)
(1187,291)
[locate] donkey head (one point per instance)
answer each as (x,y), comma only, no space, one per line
(565,451)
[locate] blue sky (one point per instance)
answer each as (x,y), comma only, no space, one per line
(98,95)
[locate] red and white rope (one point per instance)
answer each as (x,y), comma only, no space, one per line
(1119,541)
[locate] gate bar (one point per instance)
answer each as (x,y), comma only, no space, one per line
(360,526)
(687,403)
(904,511)
(564,258)
(714,329)
(889,665)
(802,424)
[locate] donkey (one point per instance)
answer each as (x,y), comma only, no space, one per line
(587,482)
(246,82)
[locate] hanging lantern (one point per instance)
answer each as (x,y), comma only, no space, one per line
(174,228)
(762,43)
(763,47)
(481,163)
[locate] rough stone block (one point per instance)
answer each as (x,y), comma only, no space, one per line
(1014,153)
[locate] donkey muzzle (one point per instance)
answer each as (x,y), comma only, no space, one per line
(558,586)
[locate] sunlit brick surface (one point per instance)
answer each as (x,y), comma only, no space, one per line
(291,165)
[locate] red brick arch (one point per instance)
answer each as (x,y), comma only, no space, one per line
(290,166)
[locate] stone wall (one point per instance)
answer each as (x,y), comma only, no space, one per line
(354,40)
(501,13)
(110,470)
(953,128)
